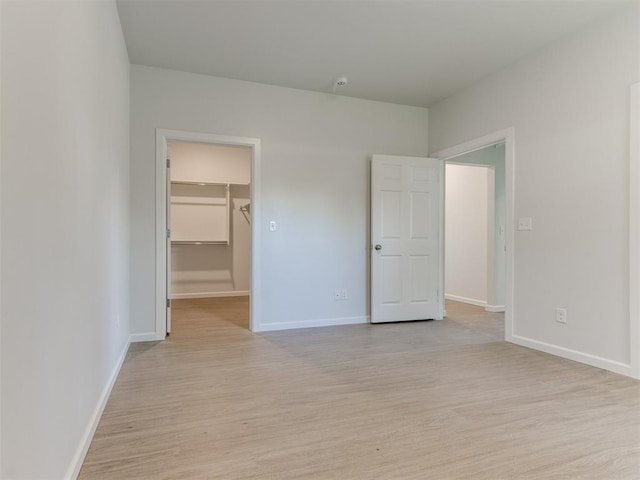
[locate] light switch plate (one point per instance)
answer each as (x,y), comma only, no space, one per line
(272,226)
(525,223)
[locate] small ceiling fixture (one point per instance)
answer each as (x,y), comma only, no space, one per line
(340,82)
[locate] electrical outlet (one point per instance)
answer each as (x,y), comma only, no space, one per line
(561,315)
(525,223)
(272,226)
(340,294)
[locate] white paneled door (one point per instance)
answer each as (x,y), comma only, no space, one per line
(406,246)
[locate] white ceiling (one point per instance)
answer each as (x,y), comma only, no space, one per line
(407,52)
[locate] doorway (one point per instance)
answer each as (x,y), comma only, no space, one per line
(207,209)
(209,220)
(475,228)
(452,155)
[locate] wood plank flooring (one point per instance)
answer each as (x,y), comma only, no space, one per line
(422,400)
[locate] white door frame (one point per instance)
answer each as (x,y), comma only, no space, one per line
(508,137)
(634,229)
(163,136)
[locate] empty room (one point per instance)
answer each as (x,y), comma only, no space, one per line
(320,240)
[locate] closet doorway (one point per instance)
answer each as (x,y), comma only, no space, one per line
(208,212)
(209,221)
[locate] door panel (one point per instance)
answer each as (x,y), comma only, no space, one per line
(391,202)
(419,281)
(406,254)
(420,220)
(392,279)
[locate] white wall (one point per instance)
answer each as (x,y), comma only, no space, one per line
(315,162)
(569,106)
(466,233)
(65,228)
(213,270)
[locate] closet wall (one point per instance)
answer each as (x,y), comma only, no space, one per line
(210,270)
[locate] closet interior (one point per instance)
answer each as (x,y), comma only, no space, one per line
(209,218)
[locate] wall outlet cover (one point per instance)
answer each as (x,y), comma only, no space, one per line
(525,223)
(561,315)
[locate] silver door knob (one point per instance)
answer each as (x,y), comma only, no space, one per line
(378,247)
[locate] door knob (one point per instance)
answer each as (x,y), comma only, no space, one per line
(378,247)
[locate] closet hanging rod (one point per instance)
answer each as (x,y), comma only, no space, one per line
(195,242)
(209,184)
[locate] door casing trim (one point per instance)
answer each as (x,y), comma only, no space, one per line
(506,136)
(163,136)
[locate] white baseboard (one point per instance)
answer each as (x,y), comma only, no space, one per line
(470,301)
(494,308)
(235,293)
(576,356)
(81,452)
(143,337)
(323,322)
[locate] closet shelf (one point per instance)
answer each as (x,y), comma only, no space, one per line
(198,242)
(209,184)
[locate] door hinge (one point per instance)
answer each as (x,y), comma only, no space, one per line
(168,233)
(168,163)
(168,303)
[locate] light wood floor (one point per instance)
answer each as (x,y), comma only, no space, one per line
(422,400)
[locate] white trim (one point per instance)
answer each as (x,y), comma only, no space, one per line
(467,164)
(143,337)
(508,137)
(491,274)
(576,356)
(634,229)
(321,322)
(162,137)
(441,226)
(470,301)
(494,308)
(81,452)
(235,293)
